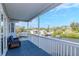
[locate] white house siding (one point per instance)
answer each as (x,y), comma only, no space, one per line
(5,30)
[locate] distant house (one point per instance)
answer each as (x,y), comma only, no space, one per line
(40,32)
(34,31)
(43,32)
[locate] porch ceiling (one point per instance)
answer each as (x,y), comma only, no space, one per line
(27,11)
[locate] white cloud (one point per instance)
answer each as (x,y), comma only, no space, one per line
(66,6)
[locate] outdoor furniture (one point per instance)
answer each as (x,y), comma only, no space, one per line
(13,42)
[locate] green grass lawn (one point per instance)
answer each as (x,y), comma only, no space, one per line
(67,35)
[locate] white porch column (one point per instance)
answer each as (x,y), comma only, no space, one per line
(28,28)
(38,29)
(0,34)
(4,35)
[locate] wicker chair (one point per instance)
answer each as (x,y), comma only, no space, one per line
(13,42)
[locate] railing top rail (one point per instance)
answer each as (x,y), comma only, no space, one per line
(59,40)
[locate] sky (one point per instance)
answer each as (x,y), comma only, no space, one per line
(62,15)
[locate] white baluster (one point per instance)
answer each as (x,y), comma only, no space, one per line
(67,50)
(58,49)
(51,47)
(61,49)
(71,51)
(74,51)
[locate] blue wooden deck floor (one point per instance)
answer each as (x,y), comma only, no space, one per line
(27,49)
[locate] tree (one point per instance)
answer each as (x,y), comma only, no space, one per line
(22,29)
(48,29)
(74,26)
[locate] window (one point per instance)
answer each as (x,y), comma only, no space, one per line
(12,27)
(1,23)
(9,28)
(1,17)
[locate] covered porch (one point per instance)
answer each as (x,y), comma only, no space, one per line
(32,44)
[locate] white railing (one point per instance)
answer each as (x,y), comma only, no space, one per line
(55,46)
